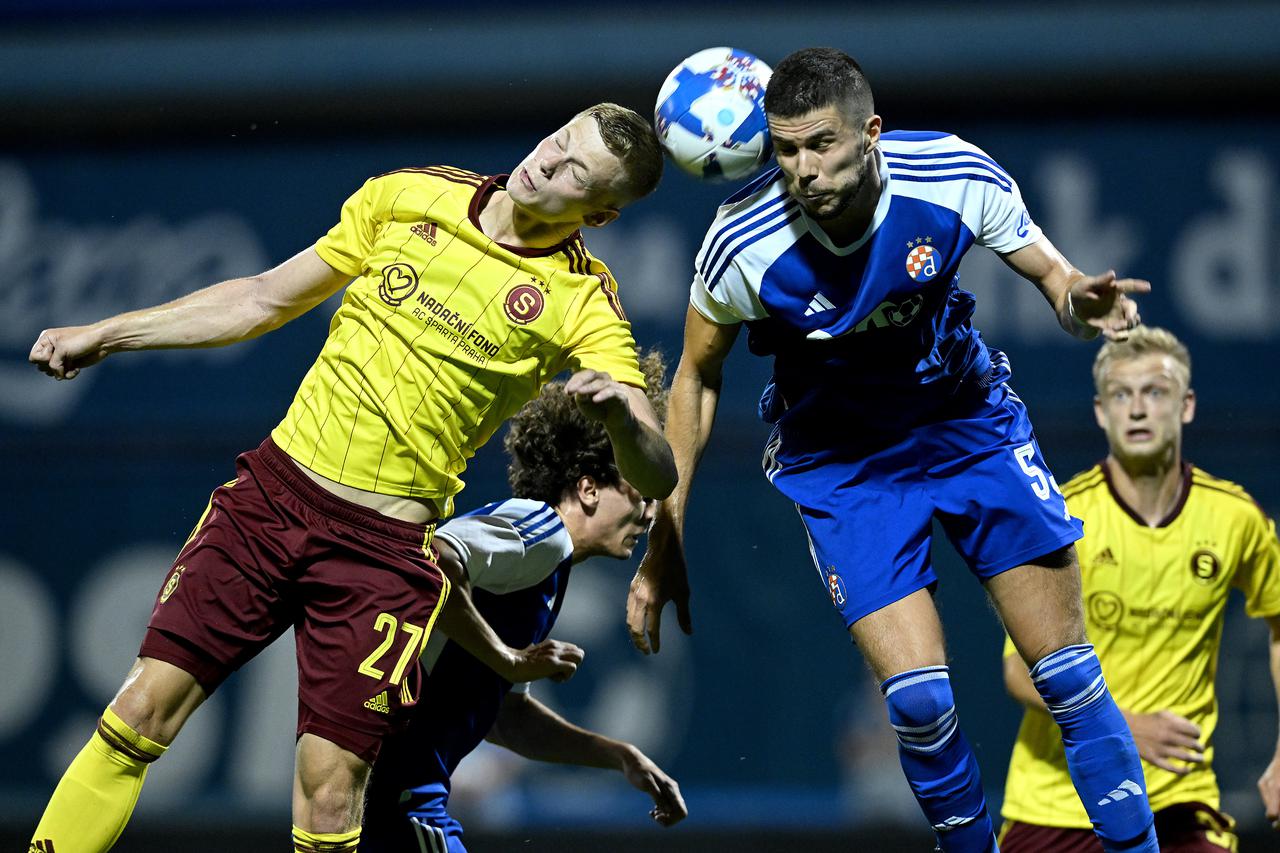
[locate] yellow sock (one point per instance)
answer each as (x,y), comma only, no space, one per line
(92,803)
(324,842)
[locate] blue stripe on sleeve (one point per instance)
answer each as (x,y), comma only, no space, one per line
(544,534)
(945,155)
(1005,180)
(933,179)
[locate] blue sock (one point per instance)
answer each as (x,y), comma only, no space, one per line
(937,759)
(1100,751)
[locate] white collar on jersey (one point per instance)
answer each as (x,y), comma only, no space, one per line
(882,210)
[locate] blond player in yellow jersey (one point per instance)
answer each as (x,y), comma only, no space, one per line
(1164,544)
(464,295)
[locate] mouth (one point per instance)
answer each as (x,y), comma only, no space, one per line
(1139,435)
(526,180)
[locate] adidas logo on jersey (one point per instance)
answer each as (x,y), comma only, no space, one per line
(427,231)
(378,703)
(41,845)
(1105,558)
(818,304)
(1127,789)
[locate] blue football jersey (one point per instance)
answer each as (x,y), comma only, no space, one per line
(518,555)
(878,332)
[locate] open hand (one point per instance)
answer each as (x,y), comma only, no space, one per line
(1102,302)
(662,577)
(1269,788)
(1164,738)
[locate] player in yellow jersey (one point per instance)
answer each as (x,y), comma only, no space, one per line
(464,295)
(1164,544)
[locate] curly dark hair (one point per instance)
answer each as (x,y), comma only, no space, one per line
(552,444)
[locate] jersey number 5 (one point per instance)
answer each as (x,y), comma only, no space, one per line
(387,624)
(1039,483)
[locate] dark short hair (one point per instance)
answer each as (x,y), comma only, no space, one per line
(815,78)
(631,138)
(552,445)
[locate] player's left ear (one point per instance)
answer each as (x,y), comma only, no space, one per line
(600,217)
(871,132)
(1189,406)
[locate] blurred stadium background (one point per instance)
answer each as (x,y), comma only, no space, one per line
(148,147)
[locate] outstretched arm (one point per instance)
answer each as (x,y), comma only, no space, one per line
(463,624)
(221,314)
(529,728)
(642,453)
(691,411)
(1085,304)
(1269,783)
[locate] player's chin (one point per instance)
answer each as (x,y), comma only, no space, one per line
(624,549)
(827,207)
(1142,451)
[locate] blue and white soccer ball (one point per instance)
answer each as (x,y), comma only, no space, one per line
(710,114)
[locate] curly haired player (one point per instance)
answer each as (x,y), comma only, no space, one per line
(570,503)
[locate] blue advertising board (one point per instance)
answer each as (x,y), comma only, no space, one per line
(766,709)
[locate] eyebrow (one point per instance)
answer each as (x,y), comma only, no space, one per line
(812,137)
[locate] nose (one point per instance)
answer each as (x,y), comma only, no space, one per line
(549,161)
(806,166)
(649,510)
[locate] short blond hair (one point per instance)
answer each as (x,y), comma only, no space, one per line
(631,138)
(1143,340)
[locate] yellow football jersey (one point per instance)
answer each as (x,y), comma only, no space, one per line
(442,335)
(1154,604)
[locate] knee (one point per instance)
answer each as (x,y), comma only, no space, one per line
(157,699)
(921,707)
(1070,635)
(1069,679)
(919,695)
(334,804)
(330,782)
(144,712)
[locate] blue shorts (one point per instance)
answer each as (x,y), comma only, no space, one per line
(395,826)
(868,499)
(437,836)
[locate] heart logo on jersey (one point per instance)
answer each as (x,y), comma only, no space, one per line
(399,281)
(1105,609)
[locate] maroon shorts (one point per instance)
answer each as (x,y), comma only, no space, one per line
(275,551)
(1181,828)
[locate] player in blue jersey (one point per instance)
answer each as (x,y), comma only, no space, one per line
(889,411)
(515,556)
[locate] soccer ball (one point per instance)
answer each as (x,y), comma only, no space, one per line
(710,114)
